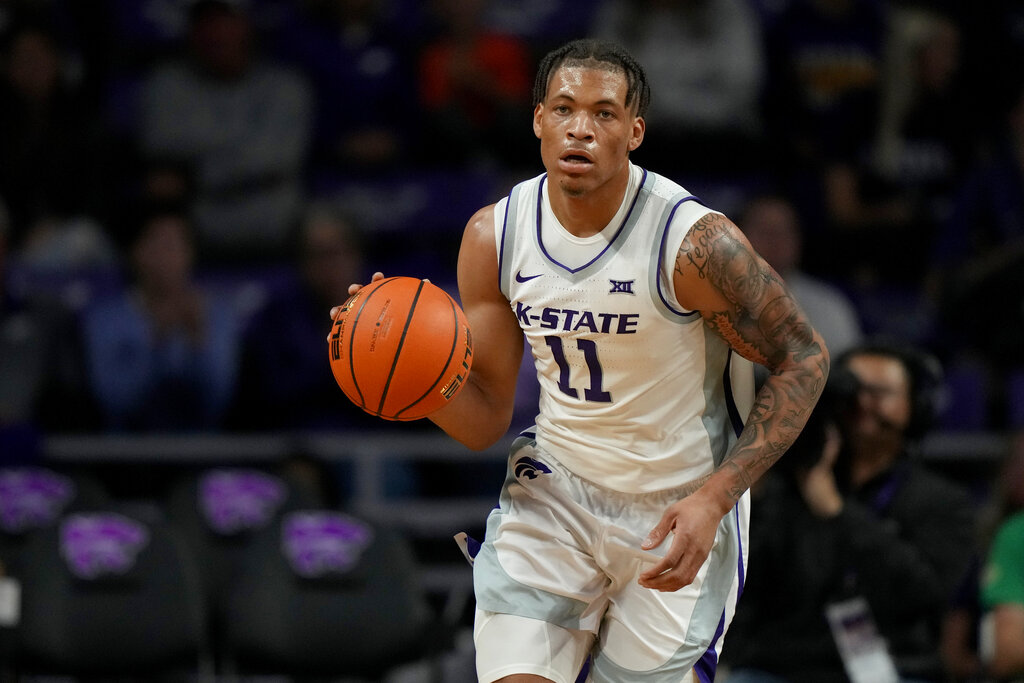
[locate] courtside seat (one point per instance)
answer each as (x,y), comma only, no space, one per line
(219,510)
(110,594)
(33,499)
(324,593)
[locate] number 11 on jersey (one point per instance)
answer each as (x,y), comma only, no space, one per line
(594,392)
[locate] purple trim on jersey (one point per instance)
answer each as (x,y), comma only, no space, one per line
(661,253)
(707,665)
(501,252)
(618,231)
(730,400)
(739,567)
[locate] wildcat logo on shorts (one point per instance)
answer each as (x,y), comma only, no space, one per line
(530,468)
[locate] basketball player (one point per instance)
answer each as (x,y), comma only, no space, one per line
(620,533)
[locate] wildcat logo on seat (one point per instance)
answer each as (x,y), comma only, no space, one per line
(237,500)
(32,497)
(530,468)
(101,544)
(320,543)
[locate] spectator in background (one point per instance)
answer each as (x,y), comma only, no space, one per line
(162,355)
(475,90)
(240,123)
(994,33)
(357,55)
(825,63)
(285,382)
(824,73)
(773,227)
(857,518)
(927,129)
(897,186)
(983,637)
(978,263)
(50,141)
(42,386)
(1002,580)
(704,58)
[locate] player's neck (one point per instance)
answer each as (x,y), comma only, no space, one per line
(588,213)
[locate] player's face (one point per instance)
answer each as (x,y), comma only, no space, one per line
(586,131)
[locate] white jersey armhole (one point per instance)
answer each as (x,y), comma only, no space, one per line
(686,216)
(500,211)
(499,222)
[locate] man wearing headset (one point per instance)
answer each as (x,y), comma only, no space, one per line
(860,546)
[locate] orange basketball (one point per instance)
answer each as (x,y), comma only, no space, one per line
(400,348)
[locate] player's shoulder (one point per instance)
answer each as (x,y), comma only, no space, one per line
(660,186)
(483,219)
(667,193)
(670,201)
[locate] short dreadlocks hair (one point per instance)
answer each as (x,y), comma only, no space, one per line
(599,54)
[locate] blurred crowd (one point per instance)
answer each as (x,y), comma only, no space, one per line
(188,186)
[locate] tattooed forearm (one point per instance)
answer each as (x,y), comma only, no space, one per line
(725,326)
(780,411)
(783,325)
(753,312)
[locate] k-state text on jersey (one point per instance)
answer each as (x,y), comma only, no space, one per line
(571,320)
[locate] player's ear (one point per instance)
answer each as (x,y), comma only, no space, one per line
(639,126)
(537,113)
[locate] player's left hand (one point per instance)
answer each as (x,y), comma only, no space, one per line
(693,524)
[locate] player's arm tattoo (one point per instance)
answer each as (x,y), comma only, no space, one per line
(763,323)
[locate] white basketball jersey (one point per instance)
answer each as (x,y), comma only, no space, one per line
(637,395)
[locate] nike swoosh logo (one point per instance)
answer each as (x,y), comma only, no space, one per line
(521,278)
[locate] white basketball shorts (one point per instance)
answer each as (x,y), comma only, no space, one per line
(563,555)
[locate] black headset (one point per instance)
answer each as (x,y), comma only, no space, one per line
(927,381)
